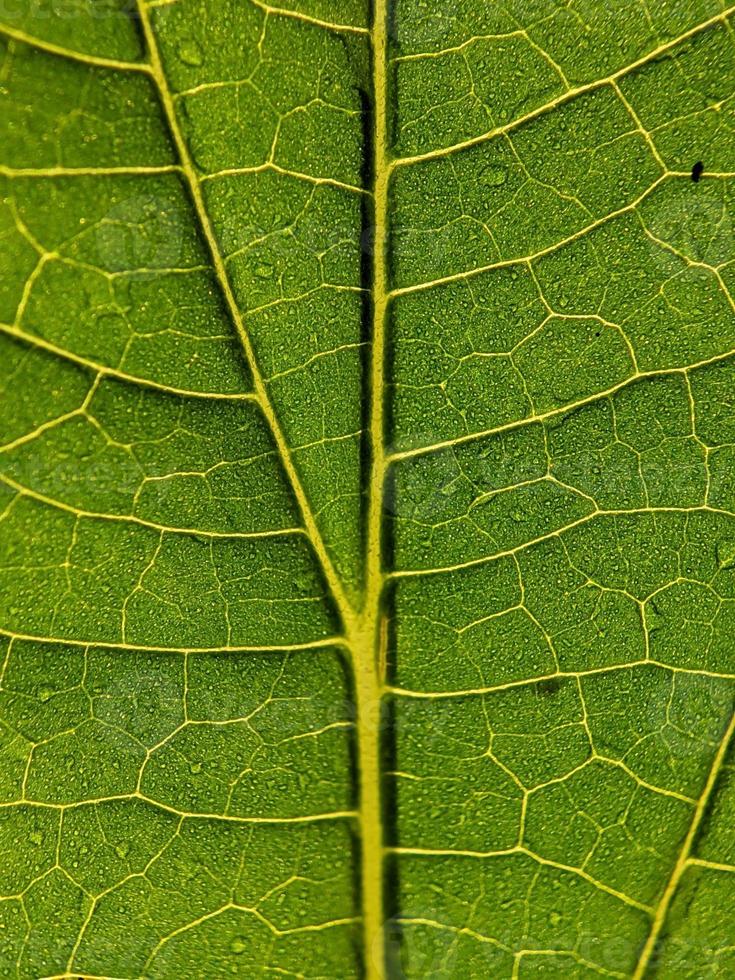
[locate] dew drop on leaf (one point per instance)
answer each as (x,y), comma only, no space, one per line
(264,270)
(494,175)
(726,553)
(190,53)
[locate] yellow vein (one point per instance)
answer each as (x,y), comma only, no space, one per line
(566,96)
(328,641)
(308,19)
(110,372)
(404,692)
(93,61)
(402,573)
(457,48)
(59,171)
(42,498)
(712,865)
(270,167)
(366,636)
(556,532)
(46,426)
(583,232)
(186,815)
(680,867)
(415,920)
(525,852)
(562,410)
(205,222)
(77,975)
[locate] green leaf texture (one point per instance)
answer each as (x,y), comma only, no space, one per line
(367,489)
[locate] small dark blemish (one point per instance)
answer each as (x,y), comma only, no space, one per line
(697,171)
(597,333)
(549,686)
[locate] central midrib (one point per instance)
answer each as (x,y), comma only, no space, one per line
(367,640)
(363,633)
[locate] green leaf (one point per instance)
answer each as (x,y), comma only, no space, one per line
(367,489)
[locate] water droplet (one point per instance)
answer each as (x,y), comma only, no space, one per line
(190,52)
(238,945)
(493,175)
(726,553)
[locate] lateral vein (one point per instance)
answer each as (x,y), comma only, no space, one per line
(683,860)
(93,61)
(568,95)
(43,498)
(105,371)
(333,580)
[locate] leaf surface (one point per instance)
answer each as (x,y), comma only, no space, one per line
(368,492)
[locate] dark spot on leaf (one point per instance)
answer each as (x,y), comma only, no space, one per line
(549,686)
(697,171)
